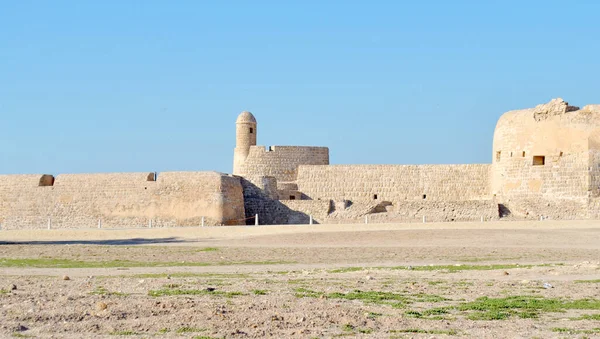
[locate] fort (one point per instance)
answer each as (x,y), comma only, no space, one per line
(545,164)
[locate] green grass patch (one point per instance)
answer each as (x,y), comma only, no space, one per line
(176,291)
(373,315)
(486,308)
(103,291)
(588,317)
(189,330)
(388,298)
(204,337)
(68,263)
(208,249)
(21,335)
(575,331)
(182,275)
(432,314)
(460,268)
(259,292)
(595,281)
(3,291)
(346,269)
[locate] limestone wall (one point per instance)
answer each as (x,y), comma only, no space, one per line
(395,182)
(119,200)
(545,160)
(282,162)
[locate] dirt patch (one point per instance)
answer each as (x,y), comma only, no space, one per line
(512,281)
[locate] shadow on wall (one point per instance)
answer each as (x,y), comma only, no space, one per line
(127,242)
(269,209)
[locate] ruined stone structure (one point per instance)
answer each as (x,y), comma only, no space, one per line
(545,163)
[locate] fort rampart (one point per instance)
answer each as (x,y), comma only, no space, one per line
(119,200)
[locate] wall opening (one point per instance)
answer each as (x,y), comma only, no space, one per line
(251,130)
(46,180)
(523,154)
(511,154)
(292,197)
(374,196)
(560,154)
(498,155)
(151,176)
(539,160)
(424,196)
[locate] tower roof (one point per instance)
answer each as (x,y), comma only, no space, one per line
(245,117)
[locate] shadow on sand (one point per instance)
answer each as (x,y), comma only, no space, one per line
(117,242)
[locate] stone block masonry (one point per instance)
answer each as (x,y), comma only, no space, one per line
(120,200)
(282,162)
(395,182)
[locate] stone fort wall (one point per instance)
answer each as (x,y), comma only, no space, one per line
(119,200)
(545,160)
(282,162)
(395,182)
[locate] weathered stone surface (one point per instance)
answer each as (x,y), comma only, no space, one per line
(120,200)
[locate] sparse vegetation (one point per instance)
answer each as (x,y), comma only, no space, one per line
(588,317)
(208,249)
(595,281)
(176,291)
(127,332)
(189,330)
(346,269)
(389,298)
(595,330)
(522,306)
(259,292)
(421,331)
(99,290)
(68,263)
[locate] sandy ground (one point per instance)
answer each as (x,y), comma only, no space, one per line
(320,281)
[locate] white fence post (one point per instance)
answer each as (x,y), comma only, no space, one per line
(481,219)
(49,223)
(256,220)
(366,219)
(150,224)
(424,219)
(310,220)
(99,223)
(202,221)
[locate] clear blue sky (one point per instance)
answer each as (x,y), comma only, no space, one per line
(108,86)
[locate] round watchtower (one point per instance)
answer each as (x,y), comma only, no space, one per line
(245,136)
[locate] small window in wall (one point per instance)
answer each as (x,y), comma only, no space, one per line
(539,160)
(151,177)
(374,196)
(292,197)
(511,154)
(424,196)
(498,155)
(523,154)
(561,154)
(251,130)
